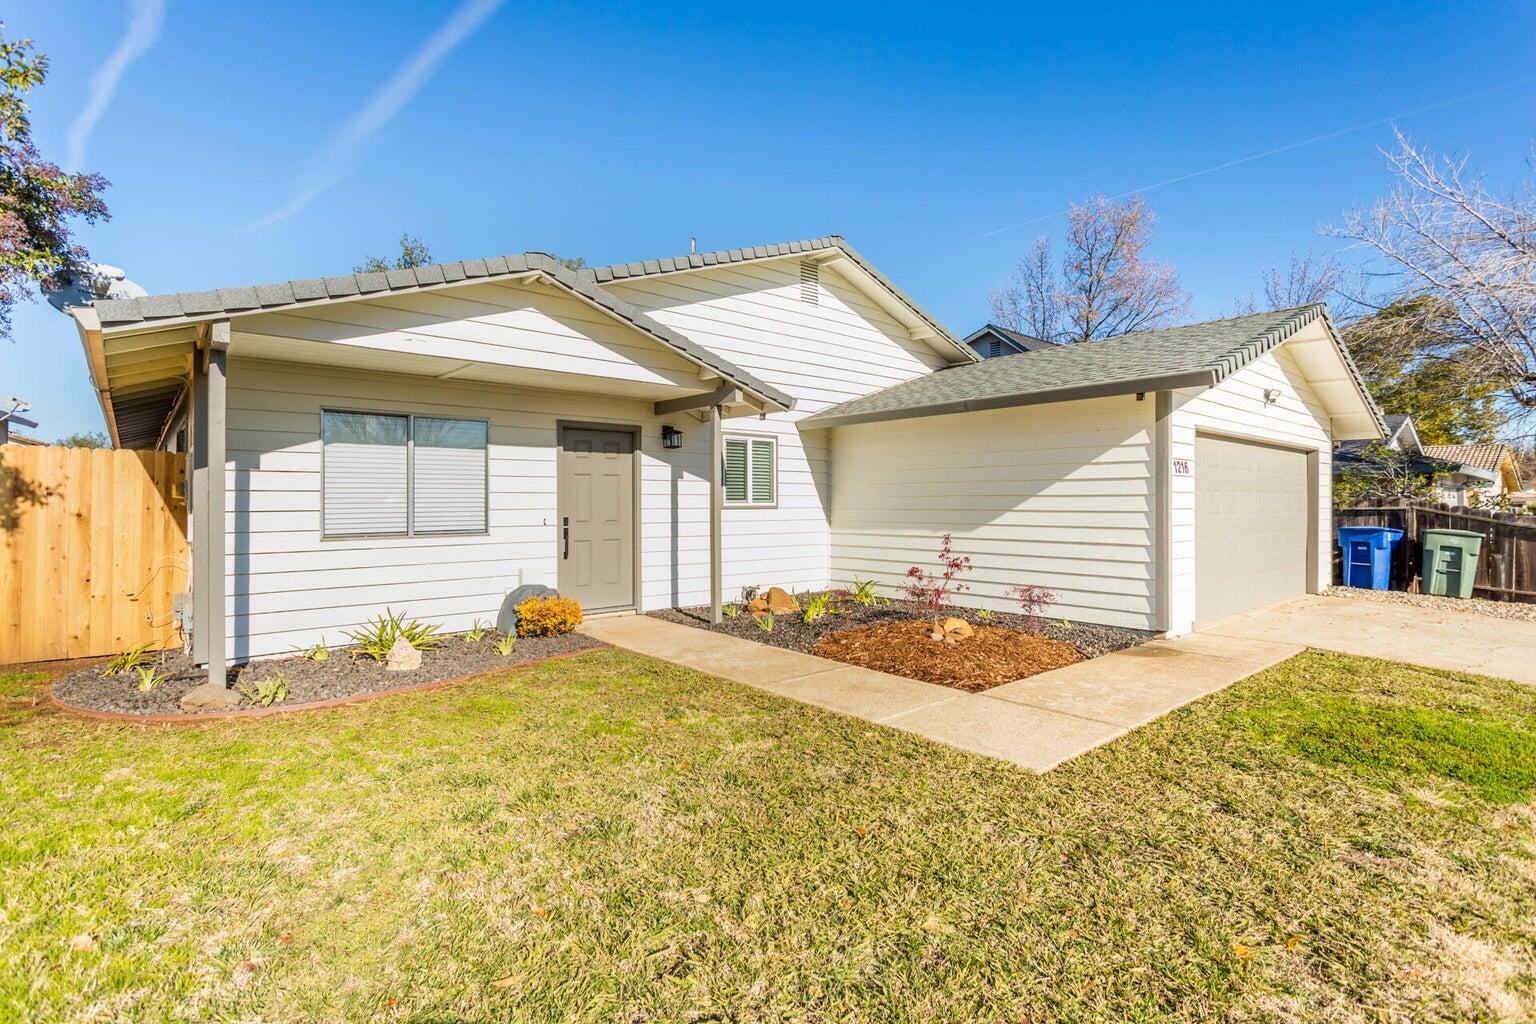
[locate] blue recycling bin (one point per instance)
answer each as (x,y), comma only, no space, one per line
(1367,555)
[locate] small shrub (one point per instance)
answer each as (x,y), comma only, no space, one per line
(548,616)
(315,652)
(504,644)
(730,611)
(816,607)
(932,591)
(764,622)
(984,614)
(129,660)
(375,639)
(864,592)
(474,634)
(1032,598)
(150,677)
(268,691)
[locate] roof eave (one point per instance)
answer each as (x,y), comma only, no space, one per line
(1108,389)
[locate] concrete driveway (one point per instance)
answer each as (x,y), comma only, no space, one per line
(1458,641)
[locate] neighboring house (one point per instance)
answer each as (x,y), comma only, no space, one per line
(1485,472)
(991,341)
(11,437)
(670,432)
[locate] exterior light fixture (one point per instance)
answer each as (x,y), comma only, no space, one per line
(671,437)
(1271,396)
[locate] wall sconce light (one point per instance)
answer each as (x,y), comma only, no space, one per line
(671,437)
(1271,396)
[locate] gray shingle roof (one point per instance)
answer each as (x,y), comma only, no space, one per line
(1019,340)
(724,257)
(124,313)
(1189,356)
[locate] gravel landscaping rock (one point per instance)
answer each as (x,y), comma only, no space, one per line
(1498,609)
(340,675)
(792,633)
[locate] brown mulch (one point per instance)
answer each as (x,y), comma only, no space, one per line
(993,656)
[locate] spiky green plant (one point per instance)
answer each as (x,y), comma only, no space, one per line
(375,639)
(150,677)
(128,660)
(271,690)
(816,607)
(504,644)
(474,634)
(764,622)
(984,614)
(864,592)
(314,652)
(730,611)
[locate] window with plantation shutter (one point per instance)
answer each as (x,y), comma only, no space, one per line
(392,475)
(366,466)
(751,471)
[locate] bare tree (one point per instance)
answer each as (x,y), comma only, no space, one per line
(1030,301)
(1441,232)
(1106,284)
(1303,281)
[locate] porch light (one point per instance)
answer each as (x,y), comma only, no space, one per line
(671,437)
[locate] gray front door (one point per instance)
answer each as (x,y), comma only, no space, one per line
(597,517)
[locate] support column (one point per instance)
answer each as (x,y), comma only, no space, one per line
(208,486)
(1162,517)
(716,502)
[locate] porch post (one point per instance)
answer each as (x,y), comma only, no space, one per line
(716,500)
(208,458)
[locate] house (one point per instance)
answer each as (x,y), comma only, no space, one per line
(1463,474)
(671,431)
(990,341)
(1485,472)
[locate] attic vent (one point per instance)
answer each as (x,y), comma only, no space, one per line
(810,282)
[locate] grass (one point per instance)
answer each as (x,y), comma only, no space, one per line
(613,839)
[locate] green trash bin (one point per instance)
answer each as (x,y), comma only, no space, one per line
(1450,561)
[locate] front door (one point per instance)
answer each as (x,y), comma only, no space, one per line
(597,517)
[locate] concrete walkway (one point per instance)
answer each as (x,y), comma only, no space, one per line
(1036,723)
(1457,641)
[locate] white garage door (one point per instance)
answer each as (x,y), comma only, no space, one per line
(1250,526)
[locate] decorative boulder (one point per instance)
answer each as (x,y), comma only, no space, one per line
(758,606)
(402,657)
(780,602)
(506,619)
(209,697)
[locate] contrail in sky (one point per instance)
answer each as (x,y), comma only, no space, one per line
(1275,152)
(387,101)
(144,26)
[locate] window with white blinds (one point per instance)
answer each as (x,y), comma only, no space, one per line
(751,471)
(388,475)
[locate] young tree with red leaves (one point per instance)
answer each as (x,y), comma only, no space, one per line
(933,590)
(37,199)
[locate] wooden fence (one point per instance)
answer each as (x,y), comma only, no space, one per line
(93,544)
(1506,570)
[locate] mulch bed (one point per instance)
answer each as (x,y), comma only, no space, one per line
(791,633)
(339,676)
(991,657)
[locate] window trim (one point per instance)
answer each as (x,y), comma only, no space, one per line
(410,476)
(772,439)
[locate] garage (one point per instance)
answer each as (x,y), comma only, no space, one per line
(1252,511)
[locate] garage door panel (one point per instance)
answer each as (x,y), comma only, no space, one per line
(1251,526)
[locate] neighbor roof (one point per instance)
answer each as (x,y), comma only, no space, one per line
(1196,355)
(152,310)
(1395,422)
(1023,342)
(1489,456)
(724,257)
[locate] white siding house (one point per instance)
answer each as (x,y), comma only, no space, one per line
(671,432)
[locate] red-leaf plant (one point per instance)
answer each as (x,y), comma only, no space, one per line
(1032,598)
(932,591)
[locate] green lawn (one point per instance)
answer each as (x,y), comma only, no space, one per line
(614,839)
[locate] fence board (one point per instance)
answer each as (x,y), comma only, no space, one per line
(94,549)
(1506,570)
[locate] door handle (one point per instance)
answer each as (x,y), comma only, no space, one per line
(565,534)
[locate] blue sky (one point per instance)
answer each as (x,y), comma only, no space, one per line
(619,134)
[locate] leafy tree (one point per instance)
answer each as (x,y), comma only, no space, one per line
(1105,285)
(413,253)
(37,199)
(1382,472)
(95,439)
(1414,362)
(574,263)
